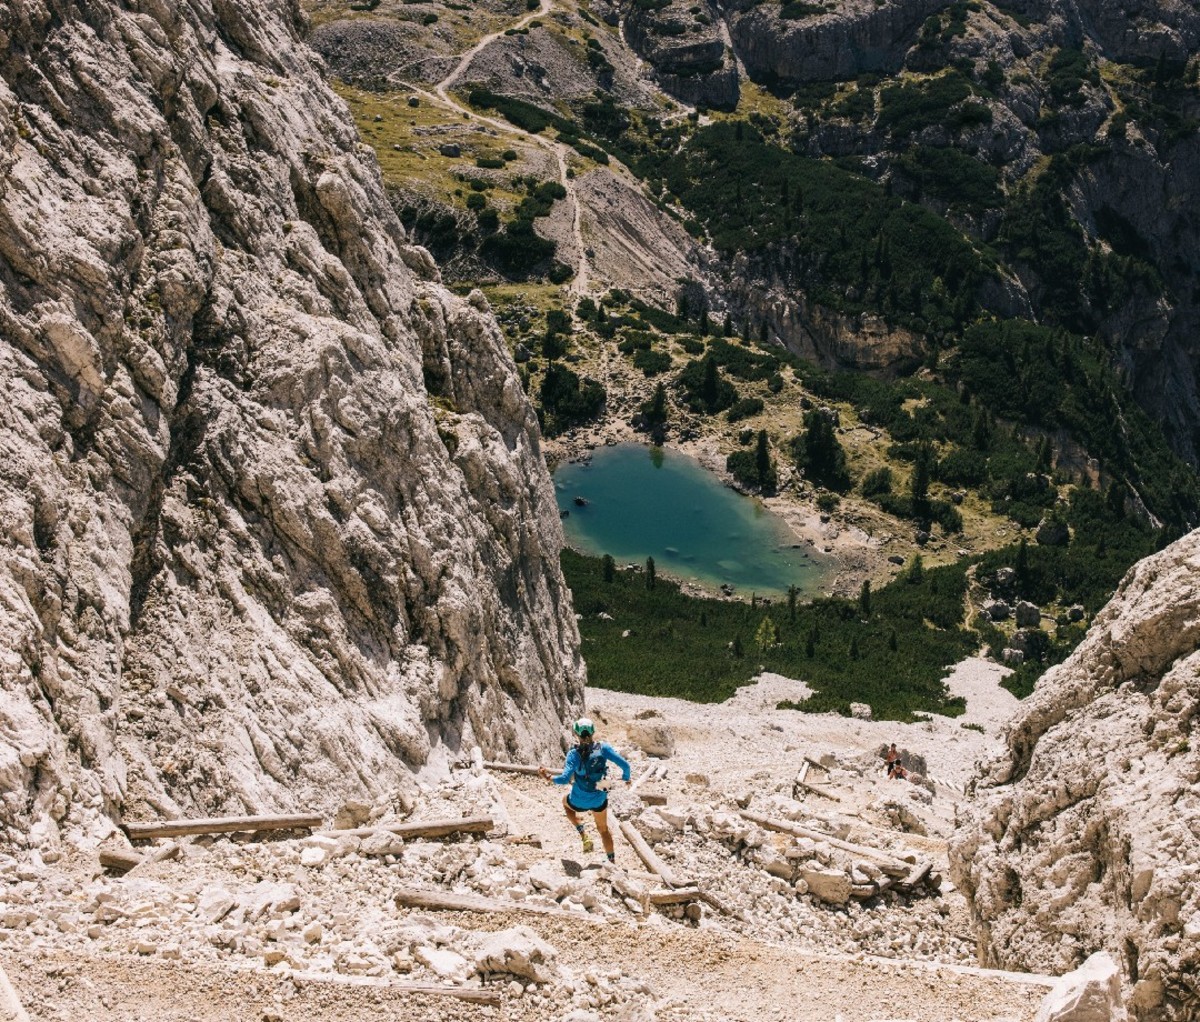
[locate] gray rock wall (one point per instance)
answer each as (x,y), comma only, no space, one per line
(1086,836)
(859,36)
(275,520)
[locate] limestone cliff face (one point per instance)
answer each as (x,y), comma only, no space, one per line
(858,36)
(1087,833)
(685,43)
(275,521)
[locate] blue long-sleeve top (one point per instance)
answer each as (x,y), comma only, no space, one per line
(583,773)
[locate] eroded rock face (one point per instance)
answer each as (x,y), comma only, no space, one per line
(858,36)
(275,518)
(1087,834)
(686,44)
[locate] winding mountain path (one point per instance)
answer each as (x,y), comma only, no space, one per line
(581,281)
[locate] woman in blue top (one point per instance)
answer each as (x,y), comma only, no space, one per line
(586,766)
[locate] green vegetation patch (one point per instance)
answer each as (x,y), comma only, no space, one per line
(849,244)
(949,100)
(953,177)
(892,653)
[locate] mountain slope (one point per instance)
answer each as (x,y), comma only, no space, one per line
(276,520)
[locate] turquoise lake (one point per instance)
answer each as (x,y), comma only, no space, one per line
(648,502)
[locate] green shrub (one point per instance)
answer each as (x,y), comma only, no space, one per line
(703,388)
(744,407)
(651,362)
(566,400)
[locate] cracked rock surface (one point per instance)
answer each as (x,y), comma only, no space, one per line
(1087,832)
(276,525)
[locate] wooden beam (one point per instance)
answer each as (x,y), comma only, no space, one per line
(478,995)
(715,902)
(646,854)
(221,825)
(816,791)
(675,897)
(800,777)
(422,828)
(787,827)
(167,851)
(444,901)
(119,860)
(917,874)
(512,768)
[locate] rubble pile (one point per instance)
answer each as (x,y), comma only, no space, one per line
(326,903)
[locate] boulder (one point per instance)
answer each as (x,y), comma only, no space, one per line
(1013,657)
(653,827)
(996,610)
(446,963)
(653,737)
(829,886)
(353,813)
(449,149)
(1092,993)
(517,951)
(1052,532)
(1082,832)
(1027,614)
(861,711)
(382,842)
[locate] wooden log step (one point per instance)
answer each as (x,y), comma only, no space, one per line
(168,851)
(444,901)
(119,860)
(715,902)
(805,786)
(512,768)
(916,875)
(788,827)
(675,897)
(648,856)
(477,995)
(421,828)
(221,825)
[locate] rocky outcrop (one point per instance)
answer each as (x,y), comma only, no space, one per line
(685,44)
(275,520)
(818,44)
(864,342)
(1085,836)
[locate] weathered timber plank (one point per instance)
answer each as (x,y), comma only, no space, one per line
(221,825)
(120,860)
(444,901)
(675,897)
(422,828)
(512,768)
(648,856)
(787,827)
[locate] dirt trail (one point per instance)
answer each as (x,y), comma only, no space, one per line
(581,280)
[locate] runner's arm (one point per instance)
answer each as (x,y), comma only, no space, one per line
(615,757)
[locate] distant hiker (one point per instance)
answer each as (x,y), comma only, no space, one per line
(896,771)
(890,757)
(586,767)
